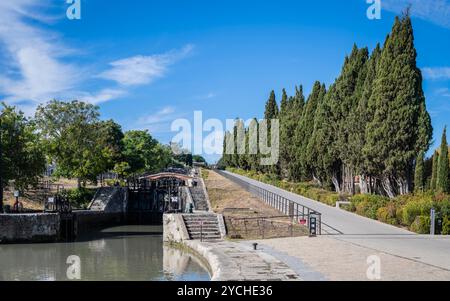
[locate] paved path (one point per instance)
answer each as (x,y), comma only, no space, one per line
(326,258)
(365,232)
(232,261)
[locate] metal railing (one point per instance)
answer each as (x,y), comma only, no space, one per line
(265,227)
(286,206)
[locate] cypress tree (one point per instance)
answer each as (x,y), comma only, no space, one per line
(434,172)
(419,174)
(359,118)
(284,134)
(295,112)
(442,182)
(401,126)
(271,112)
(303,132)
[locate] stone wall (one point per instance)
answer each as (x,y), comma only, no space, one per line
(174,229)
(26,228)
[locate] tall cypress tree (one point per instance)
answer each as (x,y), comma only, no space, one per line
(360,115)
(419,174)
(271,112)
(401,126)
(442,182)
(303,132)
(434,172)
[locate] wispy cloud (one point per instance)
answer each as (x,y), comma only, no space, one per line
(160,121)
(435,11)
(104,95)
(435,73)
(445,92)
(36,65)
(35,69)
(140,70)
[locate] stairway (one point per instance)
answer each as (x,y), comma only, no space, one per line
(205,226)
(198,196)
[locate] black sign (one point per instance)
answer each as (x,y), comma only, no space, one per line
(312,226)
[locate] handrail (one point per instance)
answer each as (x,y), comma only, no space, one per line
(283,204)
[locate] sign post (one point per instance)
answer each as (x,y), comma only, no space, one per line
(312,226)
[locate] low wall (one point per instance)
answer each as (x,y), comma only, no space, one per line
(174,229)
(26,228)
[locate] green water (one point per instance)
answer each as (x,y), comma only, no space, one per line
(129,253)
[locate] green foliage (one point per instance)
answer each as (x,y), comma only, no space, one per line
(419,174)
(122,169)
(79,197)
(75,139)
(421,224)
(368,205)
(22,156)
(145,154)
(446,225)
(443,173)
(435,168)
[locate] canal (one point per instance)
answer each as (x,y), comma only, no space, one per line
(125,253)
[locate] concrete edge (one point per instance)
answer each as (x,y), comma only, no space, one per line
(222,227)
(218,267)
(205,191)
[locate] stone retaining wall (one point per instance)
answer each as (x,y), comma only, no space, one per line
(26,228)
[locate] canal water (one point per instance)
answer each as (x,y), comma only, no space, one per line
(126,253)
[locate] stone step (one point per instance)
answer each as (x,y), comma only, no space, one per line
(206,236)
(215,229)
(205,222)
(201,219)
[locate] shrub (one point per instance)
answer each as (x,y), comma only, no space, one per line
(414,209)
(421,224)
(446,226)
(79,197)
(368,205)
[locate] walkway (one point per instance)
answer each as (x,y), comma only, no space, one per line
(232,261)
(326,258)
(368,233)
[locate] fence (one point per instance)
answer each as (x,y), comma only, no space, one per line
(265,227)
(297,212)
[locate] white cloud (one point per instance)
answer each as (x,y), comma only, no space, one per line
(436,73)
(104,95)
(34,62)
(435,11)
(140,70)
(35,71)
(445,92)
(162,116)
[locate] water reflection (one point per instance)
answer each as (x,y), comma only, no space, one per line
(119,253)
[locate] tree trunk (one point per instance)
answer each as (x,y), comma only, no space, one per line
(363,185)
(387,186)
(336,183)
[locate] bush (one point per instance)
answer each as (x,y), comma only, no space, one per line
(414,209)
(79,197)
(446,226)
(421,224)
(388,214)
(368,205)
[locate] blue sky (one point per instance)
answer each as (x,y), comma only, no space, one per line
(146,63)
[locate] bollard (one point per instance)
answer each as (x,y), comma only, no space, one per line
(255,246)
